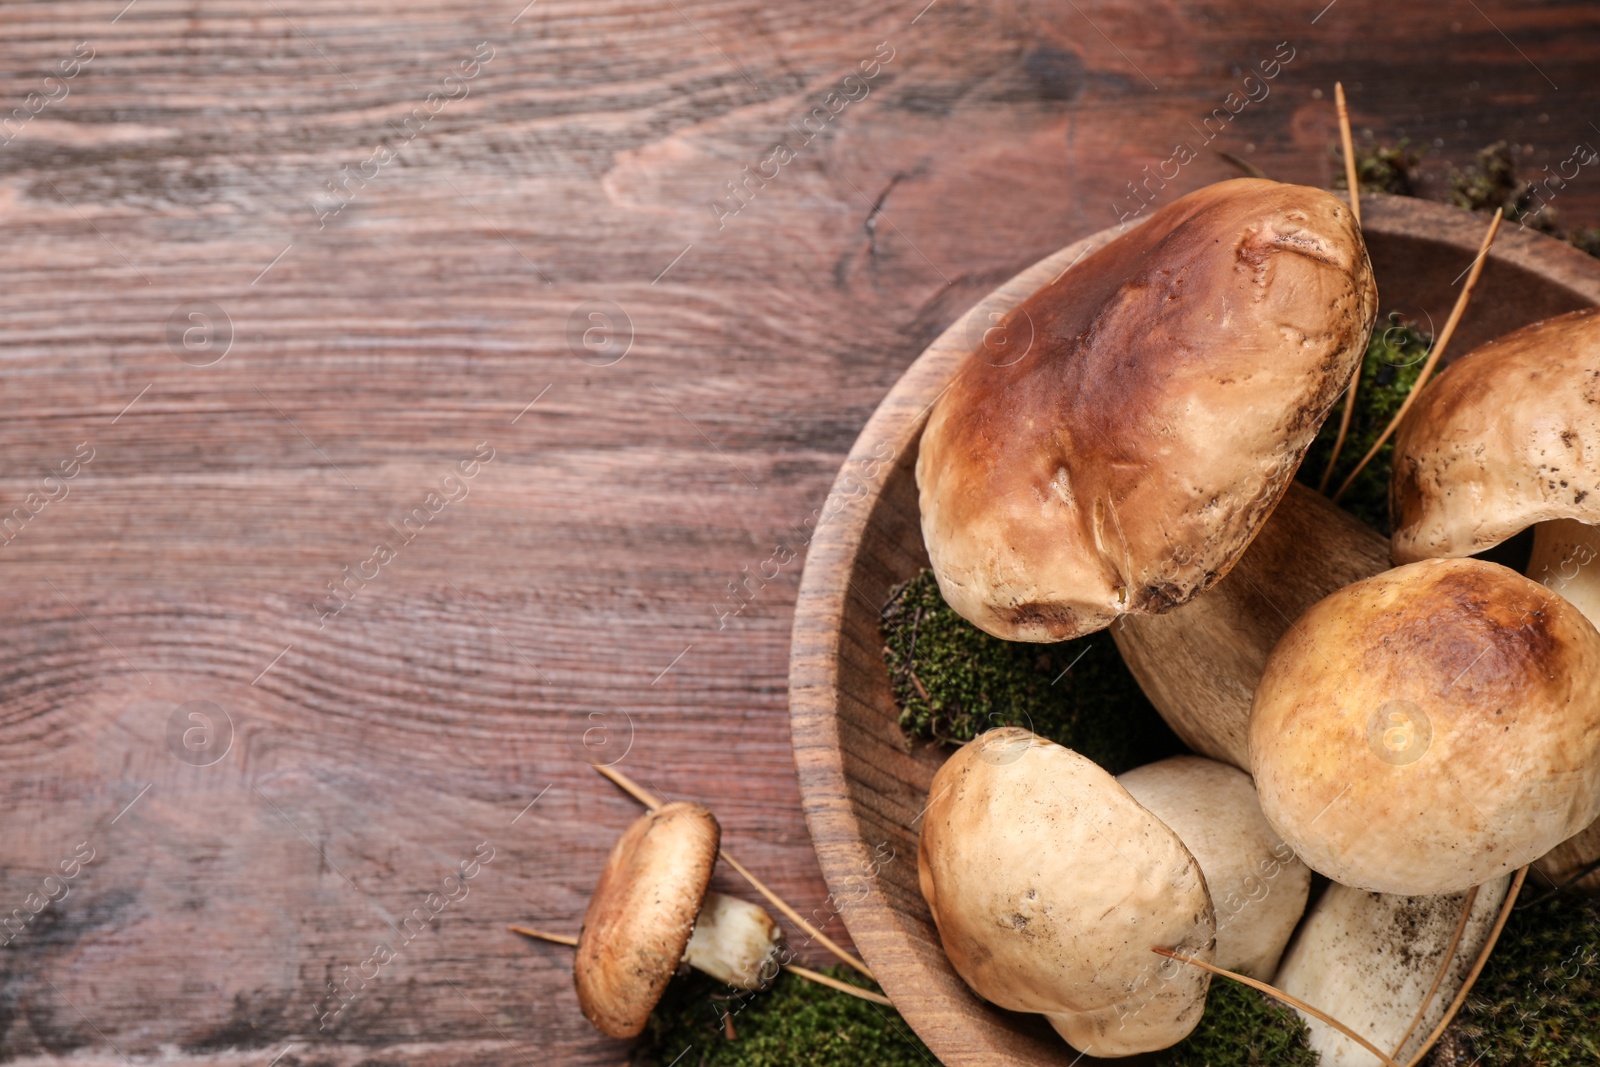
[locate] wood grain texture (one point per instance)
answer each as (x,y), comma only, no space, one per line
(372,351)
(865,784)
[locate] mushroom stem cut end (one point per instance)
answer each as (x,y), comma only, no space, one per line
(735,941)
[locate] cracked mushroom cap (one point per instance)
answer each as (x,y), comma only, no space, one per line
(1050,885)
(1174,381)
(1431,728)
(1508,436)
(642,915)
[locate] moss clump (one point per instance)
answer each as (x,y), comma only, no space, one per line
(1394,359)
(1383,169)
(1492,183)
(794,1022)
(1242,1028)
(1537,1003)
(1586,241)
(953,682)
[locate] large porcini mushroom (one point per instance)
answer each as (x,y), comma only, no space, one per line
(652,911)
(1431,728)
(1258,886)
(1200,662)
(1387,966)
(1050,885)
(1175,379)
(1507,438)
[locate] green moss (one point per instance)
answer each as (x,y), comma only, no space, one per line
(1492,182)
(796,1023)
(793,1023)
(1537,1003)
(953,682)
(1383,168)
(1585,241)
(1393,361)
(1242,1028)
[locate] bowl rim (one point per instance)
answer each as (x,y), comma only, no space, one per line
(836,832)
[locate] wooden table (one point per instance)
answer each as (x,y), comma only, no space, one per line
(279,276)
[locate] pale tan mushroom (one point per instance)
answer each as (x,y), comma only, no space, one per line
(1175,380)
(1386,966)
(1258,886)
(1509,437)
(1050,885)
(652,911)
(1431,728)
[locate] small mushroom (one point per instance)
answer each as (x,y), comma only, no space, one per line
(1387,966)
(1258,886)
(1050,885)
(1200,662)
(1431,728)
(1123,462)
(652,911)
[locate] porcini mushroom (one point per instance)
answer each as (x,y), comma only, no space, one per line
(1430,729)
(652,911)
(1507,438)
(1258,886)
(1050,885)
(1175,380)
(1387,966)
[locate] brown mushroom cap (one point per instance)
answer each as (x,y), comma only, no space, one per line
(1431,728)
(1050,885)
(1507,436)
(642,915)
(1174,381)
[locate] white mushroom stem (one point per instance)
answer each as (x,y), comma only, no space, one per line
(1308,1010)
(1566,559)
(736,942)
(1388,966)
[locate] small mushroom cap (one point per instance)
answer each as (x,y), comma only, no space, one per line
(642,915)
(1258,885)
(1050,885)
(1431,728)
(1507,436)
(1174,380)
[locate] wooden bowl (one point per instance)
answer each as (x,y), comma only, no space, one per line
(863,784)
